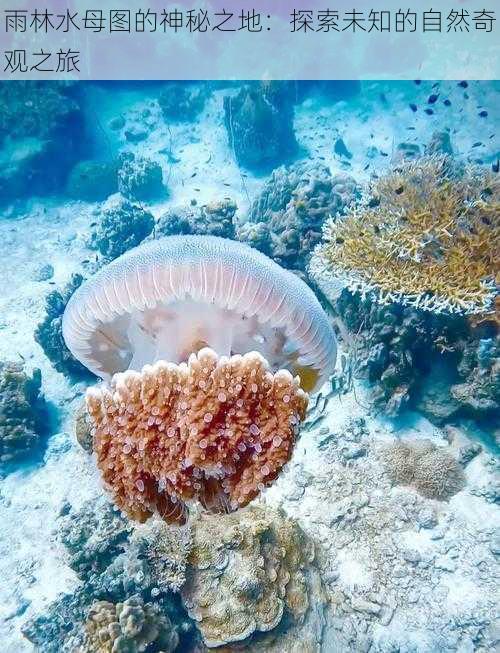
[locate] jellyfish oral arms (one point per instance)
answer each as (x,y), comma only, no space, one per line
(216,430)
(207,349)
(169,298)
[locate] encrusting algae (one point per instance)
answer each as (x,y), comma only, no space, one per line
(428,237)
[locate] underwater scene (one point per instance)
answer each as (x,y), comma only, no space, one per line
(249,367)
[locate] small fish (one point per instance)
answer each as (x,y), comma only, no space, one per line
(447,103)
(466,96)
(418,82)
(93,224)
(413,107)
(432,99)
(411,128)
(85,260)
(194,174)
(383,153)
(226,184)
(429,112)
(483,114)
(198,190)
(383,98)
(436,85)
(368,165)
(477,144)
(496,166)
(463,84)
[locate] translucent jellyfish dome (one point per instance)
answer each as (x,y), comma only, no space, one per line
(169,298)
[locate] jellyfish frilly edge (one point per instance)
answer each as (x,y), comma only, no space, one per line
(206,349)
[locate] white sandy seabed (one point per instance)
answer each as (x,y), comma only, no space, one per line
(403,573)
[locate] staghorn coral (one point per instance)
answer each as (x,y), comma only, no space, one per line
(214,218)
(129,627)
(248,573)
(48,333)
(287,217)
(23,412)
(427,236)
(429,469)
(122,225)
(217,429)
(139,178)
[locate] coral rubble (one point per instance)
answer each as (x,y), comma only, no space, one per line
(217,429)
(426,235)
(23,413)
(122,225)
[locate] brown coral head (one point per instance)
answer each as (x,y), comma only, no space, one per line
(215,430)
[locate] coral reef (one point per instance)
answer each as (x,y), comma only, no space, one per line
(166,549)
(140,178)
(259,124)
(41,135)
(92,181)
(23,413)
(217,429)
(286,218)
(183,102)
(132,626)
(122,225)
(427,468)
(48,333)
(248,573)
(426,235)
(479,393)
(214,218)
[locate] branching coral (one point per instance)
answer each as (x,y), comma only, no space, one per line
(429,469)
(23,413)
(248,573)
(214,429)
(428,236)
(131,627)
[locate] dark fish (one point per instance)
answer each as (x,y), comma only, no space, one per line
(447,103)
(432,99)
(85,260)
(418,82)
(93,224)
(383,98)
(383,153)
(483,114)
(466,96)
(413,107)
(463,84)
(411,128)
(226,184)
(194,174)
(477,144)
(436,85)
(496,166)
(368,165)
(429,112)
(197,190)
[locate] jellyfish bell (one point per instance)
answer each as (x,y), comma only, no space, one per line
(171,297)
(206,348)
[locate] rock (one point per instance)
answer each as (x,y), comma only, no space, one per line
(121,226)
(406,151)
(426,518)
(183,102)
(23,412)
(440,143)
(259,124)
(140,178)
(215,218)
(43,272)
(92,181)
(250,572)
(135,133)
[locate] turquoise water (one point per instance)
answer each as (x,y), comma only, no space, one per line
(338,239)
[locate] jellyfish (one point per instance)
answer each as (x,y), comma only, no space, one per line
(206,349)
